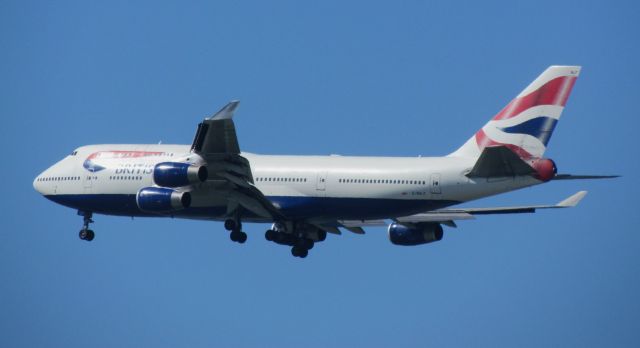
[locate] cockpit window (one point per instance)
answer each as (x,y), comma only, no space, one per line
(74,153)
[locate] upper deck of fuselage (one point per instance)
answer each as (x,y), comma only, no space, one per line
(92,156)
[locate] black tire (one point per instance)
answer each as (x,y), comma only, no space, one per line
(242,237)
(233,236)
(83,234)
(304,243)
(282,238)
(90,235)
(229,225)
(309,244)
(295,251)
(270,235)
(303,253)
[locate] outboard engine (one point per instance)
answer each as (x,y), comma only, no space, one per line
(162,200)
(177,174)
(403,235)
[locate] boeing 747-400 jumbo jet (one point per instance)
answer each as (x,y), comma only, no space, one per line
(306,197)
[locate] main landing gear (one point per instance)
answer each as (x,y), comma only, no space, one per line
(299,243)
(235,226)
(85,232)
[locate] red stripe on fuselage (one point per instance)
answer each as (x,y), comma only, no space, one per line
(123,154)
(554,92)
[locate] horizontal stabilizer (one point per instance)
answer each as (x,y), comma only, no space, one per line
(499,161)
(583,177)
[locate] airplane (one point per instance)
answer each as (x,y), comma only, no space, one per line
(306,197)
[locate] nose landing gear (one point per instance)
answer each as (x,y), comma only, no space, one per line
(85,232)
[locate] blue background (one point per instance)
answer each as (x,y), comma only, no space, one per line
(397,78)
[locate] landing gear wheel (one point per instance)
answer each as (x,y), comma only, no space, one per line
(238,236)
(270,235)
(299,252)
(86,234)
(230,224)
(305,243)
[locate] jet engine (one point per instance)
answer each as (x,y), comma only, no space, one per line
(545,169)
(160,199)
(176,174)
(403,235)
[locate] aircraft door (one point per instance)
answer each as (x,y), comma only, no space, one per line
(87,182)
(435,184)
(321,182)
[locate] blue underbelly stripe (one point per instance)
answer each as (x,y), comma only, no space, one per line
(292,207)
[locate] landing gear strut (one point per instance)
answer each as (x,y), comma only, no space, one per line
(235,226)
(85,232)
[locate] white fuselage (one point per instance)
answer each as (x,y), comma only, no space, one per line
(106,178)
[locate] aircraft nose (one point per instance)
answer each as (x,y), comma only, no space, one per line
(37,184)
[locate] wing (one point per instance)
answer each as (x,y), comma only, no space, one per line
(449,216)
(216,142)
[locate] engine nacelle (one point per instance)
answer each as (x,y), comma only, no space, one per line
(545,169)
(161,199)
(403,235)
(176,174)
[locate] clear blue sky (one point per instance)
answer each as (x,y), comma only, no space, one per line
(400,78)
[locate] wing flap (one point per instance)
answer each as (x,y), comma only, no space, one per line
(435,216)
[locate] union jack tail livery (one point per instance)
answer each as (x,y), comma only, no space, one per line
(525,125)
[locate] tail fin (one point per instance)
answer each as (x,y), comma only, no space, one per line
(525,125)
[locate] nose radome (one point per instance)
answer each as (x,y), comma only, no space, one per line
(37,185)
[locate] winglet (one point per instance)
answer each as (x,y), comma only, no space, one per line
(226,113)
(573,200)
